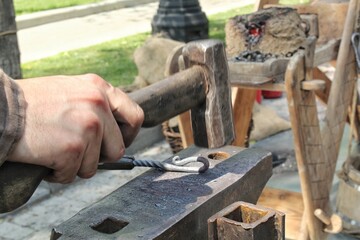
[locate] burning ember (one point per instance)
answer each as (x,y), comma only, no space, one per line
(254,33)
(268,33)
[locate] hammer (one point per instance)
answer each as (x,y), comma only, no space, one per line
(203,86)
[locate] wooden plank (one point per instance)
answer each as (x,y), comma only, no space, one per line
(299,113)
(326,52)
(266,86)
(323,95)
(284,201)
(257,73)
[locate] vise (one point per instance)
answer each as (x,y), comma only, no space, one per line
(203,87)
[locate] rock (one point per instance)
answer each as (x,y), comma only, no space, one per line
(150,60)
(273,30)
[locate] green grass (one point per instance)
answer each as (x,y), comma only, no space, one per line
(112,60)
(217,21)
(30,6)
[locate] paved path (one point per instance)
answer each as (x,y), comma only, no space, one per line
(47,40)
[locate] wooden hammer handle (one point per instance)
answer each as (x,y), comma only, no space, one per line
(18,181)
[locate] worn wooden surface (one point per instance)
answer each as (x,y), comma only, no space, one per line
(327,52)
(290,203)
(308,144)
(257,73)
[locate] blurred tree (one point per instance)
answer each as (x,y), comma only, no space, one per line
(9,48)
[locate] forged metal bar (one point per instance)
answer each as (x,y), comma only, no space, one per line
(247,221)
(214,116)
(177,164)
(168,205)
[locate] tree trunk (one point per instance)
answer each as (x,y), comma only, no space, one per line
(9,49)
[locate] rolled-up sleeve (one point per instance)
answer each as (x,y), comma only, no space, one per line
(12,115)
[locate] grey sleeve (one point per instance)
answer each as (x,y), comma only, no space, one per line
(12,115)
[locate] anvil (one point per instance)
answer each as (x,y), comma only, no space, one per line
(173,205)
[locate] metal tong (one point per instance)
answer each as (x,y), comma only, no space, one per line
(355,40)
(177,165)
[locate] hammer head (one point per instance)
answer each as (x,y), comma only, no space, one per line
(212,121)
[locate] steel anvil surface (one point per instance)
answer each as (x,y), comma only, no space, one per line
(169,205)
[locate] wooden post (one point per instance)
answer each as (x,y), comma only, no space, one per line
(242,108)
(307,141)
(259,4)
(9,49)
(340,93)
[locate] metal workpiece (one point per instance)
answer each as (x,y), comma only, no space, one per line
(246,221)
(173,205)
(177,164)
(201,85)
(215,116)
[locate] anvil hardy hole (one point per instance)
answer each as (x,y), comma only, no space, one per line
(218,155)
(109,225)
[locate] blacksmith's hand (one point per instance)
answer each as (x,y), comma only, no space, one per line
(72,122)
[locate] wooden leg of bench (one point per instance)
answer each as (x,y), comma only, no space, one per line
(243,104)
(185,129)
